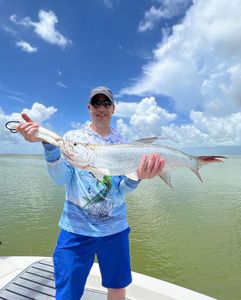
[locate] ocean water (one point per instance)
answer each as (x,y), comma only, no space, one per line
(189,235)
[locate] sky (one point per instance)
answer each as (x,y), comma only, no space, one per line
(174,67)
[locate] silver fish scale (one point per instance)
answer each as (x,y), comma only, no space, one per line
(125,158)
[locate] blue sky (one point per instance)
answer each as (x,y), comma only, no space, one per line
(174,67)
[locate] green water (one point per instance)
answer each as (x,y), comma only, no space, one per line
(189,235)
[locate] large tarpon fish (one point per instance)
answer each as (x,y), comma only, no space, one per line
(124,159)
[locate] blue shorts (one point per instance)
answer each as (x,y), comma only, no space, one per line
(74,256)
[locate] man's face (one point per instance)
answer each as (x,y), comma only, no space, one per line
(101,114)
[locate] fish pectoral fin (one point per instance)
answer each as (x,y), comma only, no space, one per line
(166,177)
(148,140)
(99,173)
(132,176)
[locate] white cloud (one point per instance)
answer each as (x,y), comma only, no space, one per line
(152,16)
(108,3)
(233,90)
(146,108)
(14,143)
(13,18)
(61,84)
(222,130)
(18,99)
(203,130)
(125,129)
(145,118)
(45,28)
(125,109)
(206,131)
(8,29)
(39,113)
(78,125)
(198,66)
(167,10)
(26,47)
(186,135)
(5,89)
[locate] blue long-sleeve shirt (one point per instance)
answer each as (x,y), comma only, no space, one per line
(92,207)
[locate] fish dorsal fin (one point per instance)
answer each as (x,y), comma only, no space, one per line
(132,176)
(148,140)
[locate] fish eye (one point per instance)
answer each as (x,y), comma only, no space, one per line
(75,144)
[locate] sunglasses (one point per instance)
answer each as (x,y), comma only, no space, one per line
(97,103)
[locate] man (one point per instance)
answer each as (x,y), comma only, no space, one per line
(93,221)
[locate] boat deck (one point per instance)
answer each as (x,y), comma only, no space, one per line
(37,283)
(31,277)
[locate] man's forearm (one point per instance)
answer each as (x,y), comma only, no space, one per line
(51,152)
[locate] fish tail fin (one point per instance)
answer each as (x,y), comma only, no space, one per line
(204,160)
(166,177)
(165,174)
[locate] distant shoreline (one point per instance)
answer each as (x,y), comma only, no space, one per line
(19,154)
(196,151)
(194,154)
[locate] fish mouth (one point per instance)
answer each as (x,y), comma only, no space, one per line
(67,148)
(68,155)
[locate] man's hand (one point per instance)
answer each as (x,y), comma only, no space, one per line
(28,129)
(150,166)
